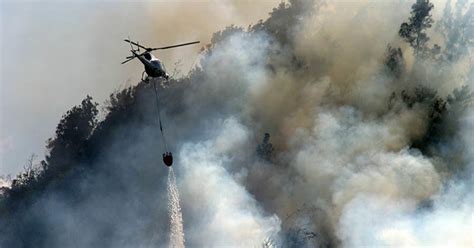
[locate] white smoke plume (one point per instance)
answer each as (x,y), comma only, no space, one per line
(359,157)
(222,212)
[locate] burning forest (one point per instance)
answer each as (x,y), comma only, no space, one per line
(325,124)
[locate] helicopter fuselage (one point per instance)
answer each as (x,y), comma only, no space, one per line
(153,66)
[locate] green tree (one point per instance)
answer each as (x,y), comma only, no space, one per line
(285,19)
(457,28)
(72,132)
(414,31)
(394,61)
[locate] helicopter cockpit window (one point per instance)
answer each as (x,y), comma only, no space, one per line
(147,56)
(158,64)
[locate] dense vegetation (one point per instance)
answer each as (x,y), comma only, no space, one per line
(80,163)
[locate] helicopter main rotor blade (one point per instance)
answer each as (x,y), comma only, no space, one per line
(128,59)
(135,55)
(173,46)
(136,44)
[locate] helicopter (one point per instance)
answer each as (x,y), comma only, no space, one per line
(154,68)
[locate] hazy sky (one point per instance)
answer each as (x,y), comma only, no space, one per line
(55,53)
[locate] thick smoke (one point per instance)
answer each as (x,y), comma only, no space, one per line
(221,211)
(75,47)
(364,155)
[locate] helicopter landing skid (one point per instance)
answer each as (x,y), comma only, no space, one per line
(146,78)
(159,80)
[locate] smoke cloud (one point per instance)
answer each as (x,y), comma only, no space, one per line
(76,48)
(363,155)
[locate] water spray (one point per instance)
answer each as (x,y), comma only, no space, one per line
(174,209)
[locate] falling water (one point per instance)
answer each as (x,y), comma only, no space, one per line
(176,217)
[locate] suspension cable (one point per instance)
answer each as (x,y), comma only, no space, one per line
(159,117)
